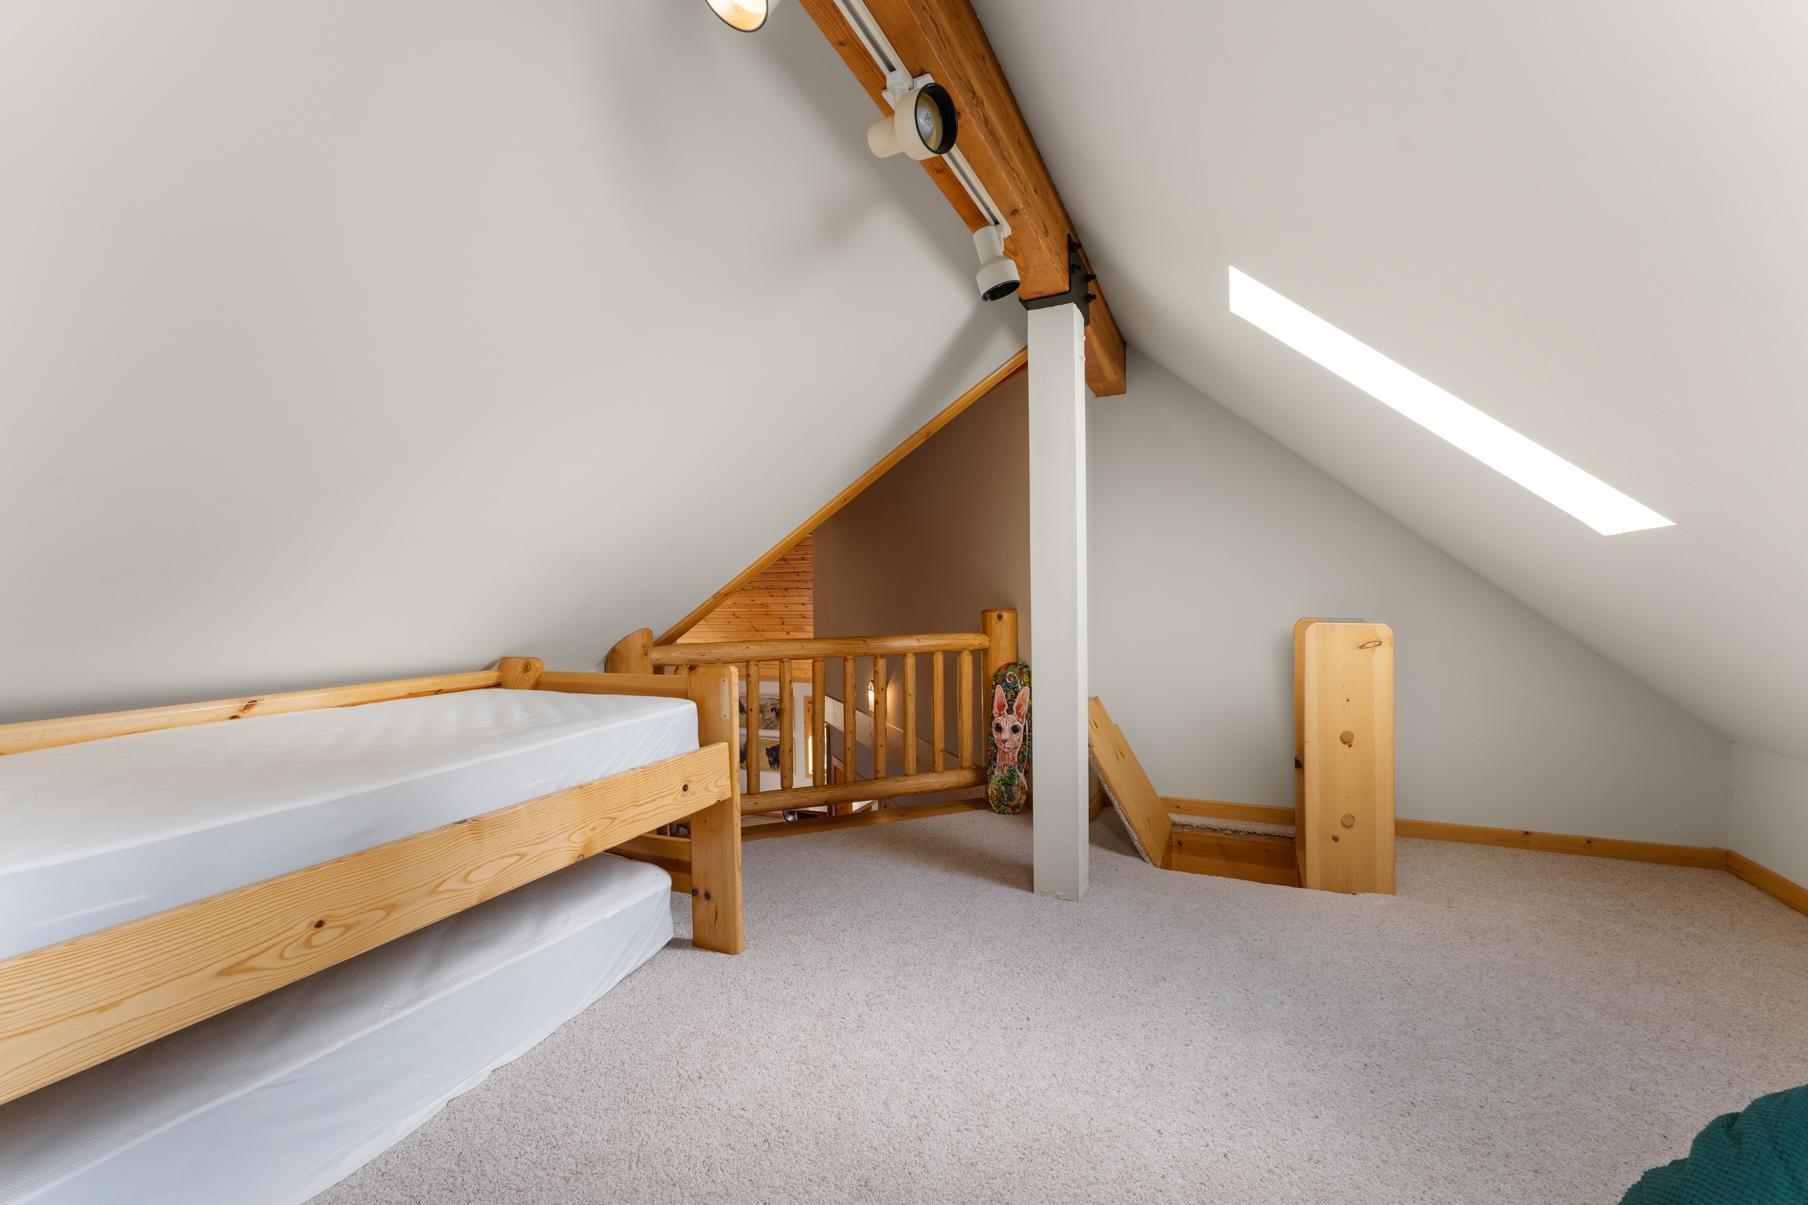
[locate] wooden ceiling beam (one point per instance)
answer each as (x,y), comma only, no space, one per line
(944,38)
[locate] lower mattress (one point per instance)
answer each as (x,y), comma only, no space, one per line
(110,830)
(282,1097)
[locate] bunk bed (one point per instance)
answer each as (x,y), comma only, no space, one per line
(166,865)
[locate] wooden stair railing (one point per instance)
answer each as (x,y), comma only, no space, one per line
(995,644)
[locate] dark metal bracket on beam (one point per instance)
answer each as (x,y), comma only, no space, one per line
(1079,280)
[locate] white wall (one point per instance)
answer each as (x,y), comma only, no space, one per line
(1770,811)
(1577,223)
(1209,539)
(352,339)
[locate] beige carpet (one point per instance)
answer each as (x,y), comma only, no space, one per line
(909,1024)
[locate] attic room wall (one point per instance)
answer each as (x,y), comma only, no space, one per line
(940,538)
(1770,811)
(1208,540)
(343,341)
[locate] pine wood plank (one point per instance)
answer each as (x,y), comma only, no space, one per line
(1697,856)
(1253,857)
(865,788)
(830,824)
(1345,826)
(70,730)
(75,1004)
(1127,785)
(1769,881)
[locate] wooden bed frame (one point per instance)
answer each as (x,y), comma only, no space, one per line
(66,1007)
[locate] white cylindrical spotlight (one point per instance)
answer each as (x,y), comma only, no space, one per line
(744,15)
(998,276)
(922,125)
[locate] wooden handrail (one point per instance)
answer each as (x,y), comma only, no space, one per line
(866,668)
(72,730)
(864,788)
(674,686)
(736,652)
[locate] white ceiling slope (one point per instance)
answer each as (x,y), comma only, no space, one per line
(1585,219)
(355,339)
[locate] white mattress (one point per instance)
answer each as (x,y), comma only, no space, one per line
(110,830)
(280,1098)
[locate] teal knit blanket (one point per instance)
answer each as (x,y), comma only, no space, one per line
(1758,1156)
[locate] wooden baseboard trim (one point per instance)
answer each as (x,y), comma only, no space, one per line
(1697,856)
(1700,857)
(1769,881)
(797,828)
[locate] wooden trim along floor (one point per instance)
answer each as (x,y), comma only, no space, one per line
(922,811)
(1700,857)
(1768,881)
(915,440)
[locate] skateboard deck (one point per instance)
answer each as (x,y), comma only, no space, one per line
(1008,740)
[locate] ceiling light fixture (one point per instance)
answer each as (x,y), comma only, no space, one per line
(898,82)
(744,15)
(923,122)
(1445,415)
(997,276)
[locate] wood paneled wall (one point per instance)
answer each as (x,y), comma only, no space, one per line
(779,604)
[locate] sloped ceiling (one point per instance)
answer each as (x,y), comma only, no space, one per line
(1583,218)
(347,340)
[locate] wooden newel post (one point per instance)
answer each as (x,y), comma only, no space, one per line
(519,673)
(1000,628)
(632,654)
(716,831)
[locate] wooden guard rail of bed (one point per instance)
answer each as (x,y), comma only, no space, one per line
(66,1007)
(925,765)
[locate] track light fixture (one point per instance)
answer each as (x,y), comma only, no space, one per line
(922,122)
(744,15)
(998,276)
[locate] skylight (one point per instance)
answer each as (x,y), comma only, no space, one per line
(1444,414)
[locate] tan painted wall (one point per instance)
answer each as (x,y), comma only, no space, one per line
(940,538)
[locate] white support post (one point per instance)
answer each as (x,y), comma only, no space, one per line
(1058,597)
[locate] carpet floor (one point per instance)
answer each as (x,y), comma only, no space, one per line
(910,1024)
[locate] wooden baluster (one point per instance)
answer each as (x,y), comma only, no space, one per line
(819,723)
(910,713)
(937,687)
(786,740)
(850,722)
(755,758)
(880,736)
(963,688)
